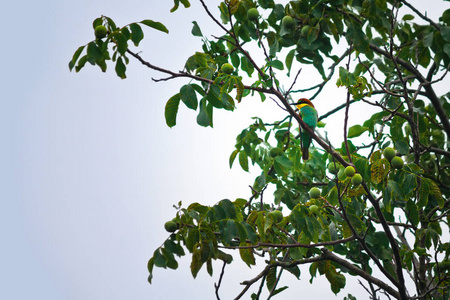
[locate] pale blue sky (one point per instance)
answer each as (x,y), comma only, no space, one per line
(91,171)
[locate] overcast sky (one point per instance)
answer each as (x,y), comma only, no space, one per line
(90,171)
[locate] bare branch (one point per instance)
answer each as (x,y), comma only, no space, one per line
(294,245)
(437,26)
(217,286)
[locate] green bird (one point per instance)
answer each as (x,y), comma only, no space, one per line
(309,116)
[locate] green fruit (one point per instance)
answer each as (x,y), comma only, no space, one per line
(357,179)
(170,226)
(389,153)
(288,22)
(397,162)
(253,14)
(227,68)
(277,215)
(313,208)
(305,30)
(333,168)
(349,171)
(314,193)
(100,31)
(274,152)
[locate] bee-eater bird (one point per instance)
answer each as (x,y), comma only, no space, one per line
(309,116)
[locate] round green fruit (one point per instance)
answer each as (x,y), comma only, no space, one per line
(313,208)
(314,193)
(100,31)
(277,215)
(357,179)
(274,152)
(397,162)
(288,22)
(333,168)
(227,68)
(253,14)
(305,30)
(389,153)
(170,226)
(349,171)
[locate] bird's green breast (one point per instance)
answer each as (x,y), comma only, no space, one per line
(309,116)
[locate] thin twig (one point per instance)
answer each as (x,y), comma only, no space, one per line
(217,287)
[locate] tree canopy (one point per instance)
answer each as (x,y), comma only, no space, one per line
(375,206)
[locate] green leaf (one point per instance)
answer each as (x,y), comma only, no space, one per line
(424,191)
(150,265)
(94,54)
(196,30)
(337,281)
(251,233)
(159,259)
(356,131)
(136,33)
(228,231)
(204,117)
(408,17)
(243,160)
(75,57)
(412,212)
(196,263)
(396,191)
(284,161)
(171,262)
(188,96)
(81,63)
(276,64)
(247,66)
(271,278)
(313,34)
(97,22)
(111,24)
(247,254)
(171,110)
(185,3)
(379,170)
(174,247)
(356,222)
(229,208)
(233,157)
(289,60)
(120,68)
(122,42)
(155,25)
(435,192)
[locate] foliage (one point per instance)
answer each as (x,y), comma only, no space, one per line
(395,221)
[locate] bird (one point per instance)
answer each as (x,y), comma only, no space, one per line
(309,116)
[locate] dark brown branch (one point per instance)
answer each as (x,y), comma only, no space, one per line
(326,115)
(327,255)
(217,286)
(330,243)
(321,85)
(180,74)
(330,256)
(347,108)
(248,283)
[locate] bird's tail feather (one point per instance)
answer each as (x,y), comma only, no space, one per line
(306,141)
